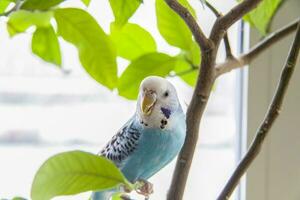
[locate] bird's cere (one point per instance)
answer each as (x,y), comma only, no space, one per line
(166,112)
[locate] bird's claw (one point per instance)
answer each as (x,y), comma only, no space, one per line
(146,188)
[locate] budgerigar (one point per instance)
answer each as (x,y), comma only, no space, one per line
(151,138)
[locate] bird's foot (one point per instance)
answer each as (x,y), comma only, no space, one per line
(146,188)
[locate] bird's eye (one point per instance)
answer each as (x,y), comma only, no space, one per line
(166,94)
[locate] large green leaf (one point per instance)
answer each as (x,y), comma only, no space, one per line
(123,9)
(158,64)
(75,172)
(171,26)
(132,40)
(40,4)
(21,20)
(261,17)
(96,51)
(45,45)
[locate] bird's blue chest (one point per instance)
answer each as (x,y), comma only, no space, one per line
(156,148)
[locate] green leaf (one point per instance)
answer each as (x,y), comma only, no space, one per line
(158,64)
(18,198)
(21,20)
(123,9)
(185,71)
(132,40)
(186,62)
(194,54)
(3,5)
(40,4)
(117,197)
(171,26)
(96,51)
(86,2)
(74,172)
(261,17)
(45,45)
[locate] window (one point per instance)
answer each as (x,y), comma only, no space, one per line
(44,110)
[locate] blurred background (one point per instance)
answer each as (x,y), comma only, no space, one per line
(45,110)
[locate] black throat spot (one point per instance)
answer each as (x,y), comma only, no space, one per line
(166,112)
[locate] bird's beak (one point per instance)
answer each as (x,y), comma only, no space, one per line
(148,102)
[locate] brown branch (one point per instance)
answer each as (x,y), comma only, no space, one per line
(228,51)
(185,14)
(193,117)
(213,9)
(223,23)
(272,114)
(226,40)
(255,51)
(196,108)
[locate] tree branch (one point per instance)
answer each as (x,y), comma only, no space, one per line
(272,114)
(228,51)
(255,51)
(226,40)
(223,23)
(185,14)
(198,103)
(193,117)
(213,9)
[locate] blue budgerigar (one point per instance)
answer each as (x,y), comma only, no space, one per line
(151,138)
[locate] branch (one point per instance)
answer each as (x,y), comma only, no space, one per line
(223,23)
(272,114)
(226,40)
(255,51)
(228,51)
(197,105)
(185,14)
(213,9)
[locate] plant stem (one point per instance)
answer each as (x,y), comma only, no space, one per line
(226,40)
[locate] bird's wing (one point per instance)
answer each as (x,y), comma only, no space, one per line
(122,144)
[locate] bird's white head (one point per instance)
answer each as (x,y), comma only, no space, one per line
(157,102)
